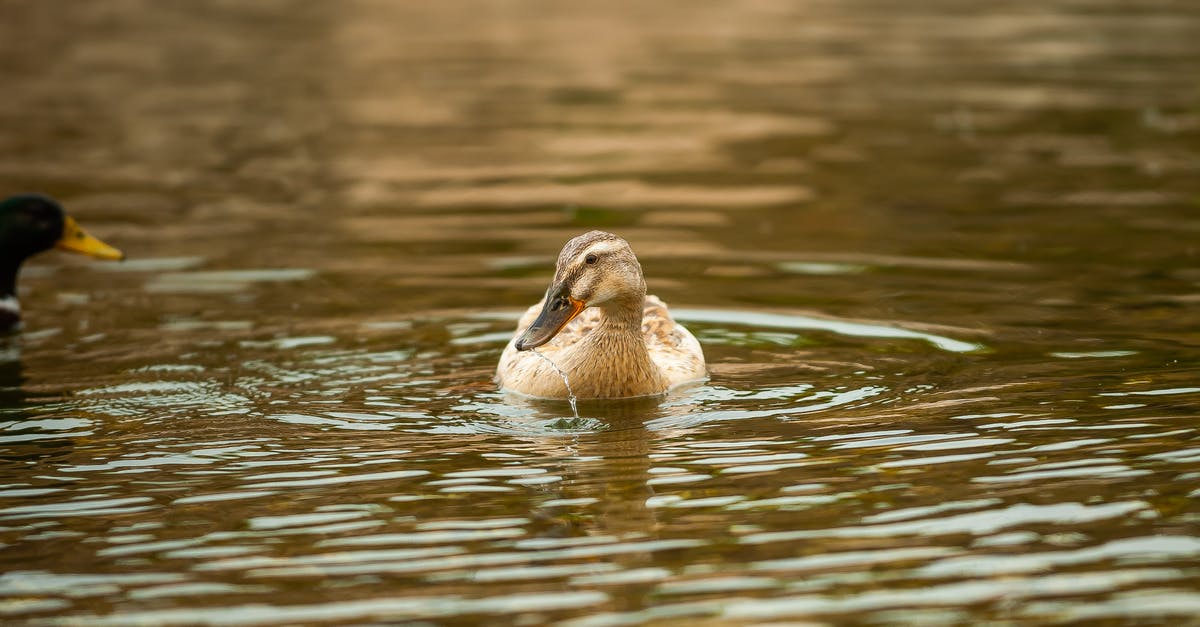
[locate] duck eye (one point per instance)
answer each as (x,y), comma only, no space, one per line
(590,259)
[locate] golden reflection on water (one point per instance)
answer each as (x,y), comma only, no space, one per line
(939,258)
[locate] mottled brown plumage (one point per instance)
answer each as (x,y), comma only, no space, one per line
(617,341)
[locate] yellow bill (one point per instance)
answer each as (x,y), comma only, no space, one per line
(75,239)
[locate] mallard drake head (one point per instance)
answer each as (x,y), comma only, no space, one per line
(30,224)
(596,269)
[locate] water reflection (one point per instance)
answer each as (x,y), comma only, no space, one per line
(824,512)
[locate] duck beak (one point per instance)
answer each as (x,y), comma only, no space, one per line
(77,240)
(559,309)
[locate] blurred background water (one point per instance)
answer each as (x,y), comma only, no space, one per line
(944,259)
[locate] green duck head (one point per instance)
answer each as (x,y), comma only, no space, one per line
(30,224)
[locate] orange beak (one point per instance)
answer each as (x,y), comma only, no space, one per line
(556,313)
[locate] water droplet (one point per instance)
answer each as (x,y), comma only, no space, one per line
(570,394)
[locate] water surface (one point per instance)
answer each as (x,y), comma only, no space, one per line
(942,260)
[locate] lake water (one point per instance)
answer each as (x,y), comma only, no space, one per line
(943,257)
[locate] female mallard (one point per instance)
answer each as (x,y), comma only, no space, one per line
(30,224)
(598,325)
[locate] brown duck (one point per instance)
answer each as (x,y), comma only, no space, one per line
(599,326)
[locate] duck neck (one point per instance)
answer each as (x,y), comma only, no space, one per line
(10,310)
(623,319)
(8,276)
(615,357)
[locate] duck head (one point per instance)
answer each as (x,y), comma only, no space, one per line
(30,224)
(596,269)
